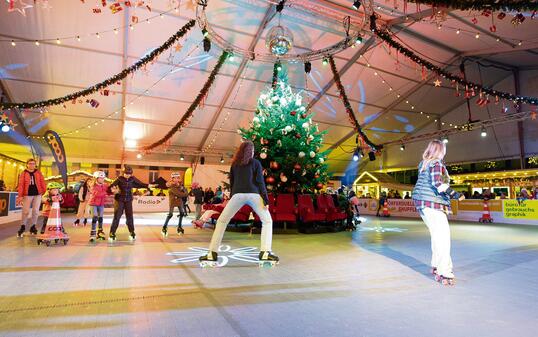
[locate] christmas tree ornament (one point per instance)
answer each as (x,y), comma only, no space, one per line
(263,155)
(274,165)
(321,160)
(279,143)
(304,173)
(297,167)
(256,120)
(298,135)
(319,186)
(283,178)
(288,128)
(306,125)
(270,180)
(301,154)
(293,113)
(312,154)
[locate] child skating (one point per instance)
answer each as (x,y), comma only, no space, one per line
(176,193)
(248,188)
(124,185)
(431,195)
(98,194)
(52,195)
(83,207)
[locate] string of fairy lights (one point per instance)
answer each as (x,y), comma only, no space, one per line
(102,120)
(97,35)
(225,119)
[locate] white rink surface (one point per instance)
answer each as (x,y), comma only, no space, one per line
(373,282)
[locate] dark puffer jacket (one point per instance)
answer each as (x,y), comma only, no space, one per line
(126,186)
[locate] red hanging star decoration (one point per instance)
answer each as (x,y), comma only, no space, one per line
(533,115)
(21,7)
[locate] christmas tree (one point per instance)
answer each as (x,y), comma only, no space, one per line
(286,140)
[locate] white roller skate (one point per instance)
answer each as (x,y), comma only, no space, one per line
(267,259)
(209,260)
(132,237)
(112,238)
(446,281)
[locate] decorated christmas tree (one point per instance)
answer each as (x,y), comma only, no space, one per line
(287,142)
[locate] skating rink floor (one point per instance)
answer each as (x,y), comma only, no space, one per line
(372,282)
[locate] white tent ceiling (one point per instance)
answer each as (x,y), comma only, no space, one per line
(30,73)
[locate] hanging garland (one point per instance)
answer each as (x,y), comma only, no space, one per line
(347,105)
(184,119)
(104,84)
(493,5)
(385,36)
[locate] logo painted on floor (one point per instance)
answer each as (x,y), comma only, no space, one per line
(226,253)
(381,229)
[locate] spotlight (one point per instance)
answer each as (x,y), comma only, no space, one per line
(232,57)
(356,4)
(483,132)
(130,143)
(278,66)
(280,6)
(181,157)
(207,45)
(325,61)
(356,155)
(371,155)
(444,139)
(13,43)
(222,159)
(402,147)
(307,67)
(5,128)
(359,40)
(204,32)
(202,160)
(139,156)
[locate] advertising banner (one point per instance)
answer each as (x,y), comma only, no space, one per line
(525,210)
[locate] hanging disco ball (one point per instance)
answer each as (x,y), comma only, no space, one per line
(279,40)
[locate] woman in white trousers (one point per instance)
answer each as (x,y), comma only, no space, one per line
(247,188)
(431,195)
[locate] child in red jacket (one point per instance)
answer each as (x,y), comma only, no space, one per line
(98,194)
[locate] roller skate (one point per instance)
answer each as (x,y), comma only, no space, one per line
(112,237)
(85,222)
(93,238)
(433,271)
(446,281)
(267,259)
(20,233)
(164,231)
(42,231)
(180,230)
(209,260)
(132,237)
(33,230)
(75,224)
(198,224)
(100,235)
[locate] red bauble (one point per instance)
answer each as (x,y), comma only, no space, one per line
(293,113)
(297,135)
(303,116)
(270,180)
(316,176)
(274,165)
(265,141)
(297,167)
(319,186)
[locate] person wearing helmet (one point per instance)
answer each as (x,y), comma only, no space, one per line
(98,193)
(124,185)
(30,189)
(52,194)
(176,193)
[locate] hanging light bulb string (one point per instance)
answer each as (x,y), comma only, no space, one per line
(384,35)
(133,100)
(110,81)
(188,114)
(219,130)
(78,37)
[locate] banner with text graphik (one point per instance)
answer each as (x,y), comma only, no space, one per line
(58,151)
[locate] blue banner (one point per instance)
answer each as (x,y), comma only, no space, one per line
(58,151)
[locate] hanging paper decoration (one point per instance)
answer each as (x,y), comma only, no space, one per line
(108,82)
